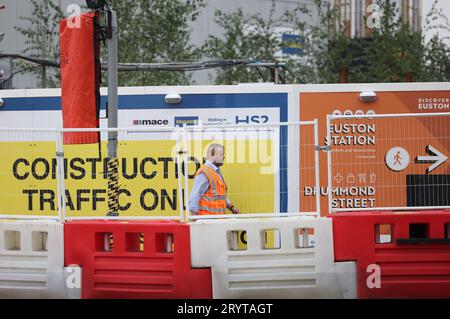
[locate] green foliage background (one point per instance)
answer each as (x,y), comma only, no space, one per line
(155,31)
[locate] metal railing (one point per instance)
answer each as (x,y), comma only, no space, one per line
(44,178)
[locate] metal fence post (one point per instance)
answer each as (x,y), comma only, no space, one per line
(60,174)
(180,182)
(317,168)
(186,171)
(330,186)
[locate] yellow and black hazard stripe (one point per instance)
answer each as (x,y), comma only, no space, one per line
(111,241)
(113,187)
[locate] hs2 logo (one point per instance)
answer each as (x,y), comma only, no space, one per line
(252,119)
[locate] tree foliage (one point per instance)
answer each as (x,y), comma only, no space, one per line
(393,53)
(42,39)
(155,31)
(437,55)
(150,31)
(245,36)
(158,31)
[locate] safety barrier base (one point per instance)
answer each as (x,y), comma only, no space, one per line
(297,261)
(135,259)
(398,254)
(31,259)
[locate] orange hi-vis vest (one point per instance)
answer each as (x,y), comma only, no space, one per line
(214,201)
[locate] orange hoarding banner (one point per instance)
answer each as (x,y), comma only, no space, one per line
(380,161)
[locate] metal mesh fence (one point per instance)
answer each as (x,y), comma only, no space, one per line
(389,161)
(147,176)
(264,169)
(267,170)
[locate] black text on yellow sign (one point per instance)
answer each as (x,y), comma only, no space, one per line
(148,178)
(78,168)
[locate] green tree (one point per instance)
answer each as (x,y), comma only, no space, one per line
(245,36)
(393,53)
(42,39)
(436,66)
(149,31)
(325,50)
(253,36)
(437,62)
(155,31)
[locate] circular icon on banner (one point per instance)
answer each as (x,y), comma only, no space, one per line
(337,113)
(397,159)
(348,112)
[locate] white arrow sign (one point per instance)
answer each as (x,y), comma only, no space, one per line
(438,159)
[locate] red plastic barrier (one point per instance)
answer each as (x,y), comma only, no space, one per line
(159,266)
(414,264)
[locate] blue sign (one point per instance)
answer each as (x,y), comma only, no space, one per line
(292,44)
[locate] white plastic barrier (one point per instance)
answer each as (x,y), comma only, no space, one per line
(298,264)
(346,275)
(32,259)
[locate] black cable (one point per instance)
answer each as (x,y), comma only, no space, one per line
(176,66)
(282,76)
(17,72)
(181,66)
(173,66)
(261,74)
(30,59)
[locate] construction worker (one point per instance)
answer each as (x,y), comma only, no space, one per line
(209,193)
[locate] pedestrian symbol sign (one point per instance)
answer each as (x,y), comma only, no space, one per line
(397,159)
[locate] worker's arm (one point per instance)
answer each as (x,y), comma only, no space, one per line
(232,208)
(199,188)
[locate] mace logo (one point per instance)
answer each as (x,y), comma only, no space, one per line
(151,122)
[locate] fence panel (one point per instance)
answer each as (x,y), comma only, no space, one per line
(266,166)
(267,169)
(397,161)
(149,173)
(28,173)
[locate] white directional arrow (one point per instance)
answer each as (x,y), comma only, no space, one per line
(438,159)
